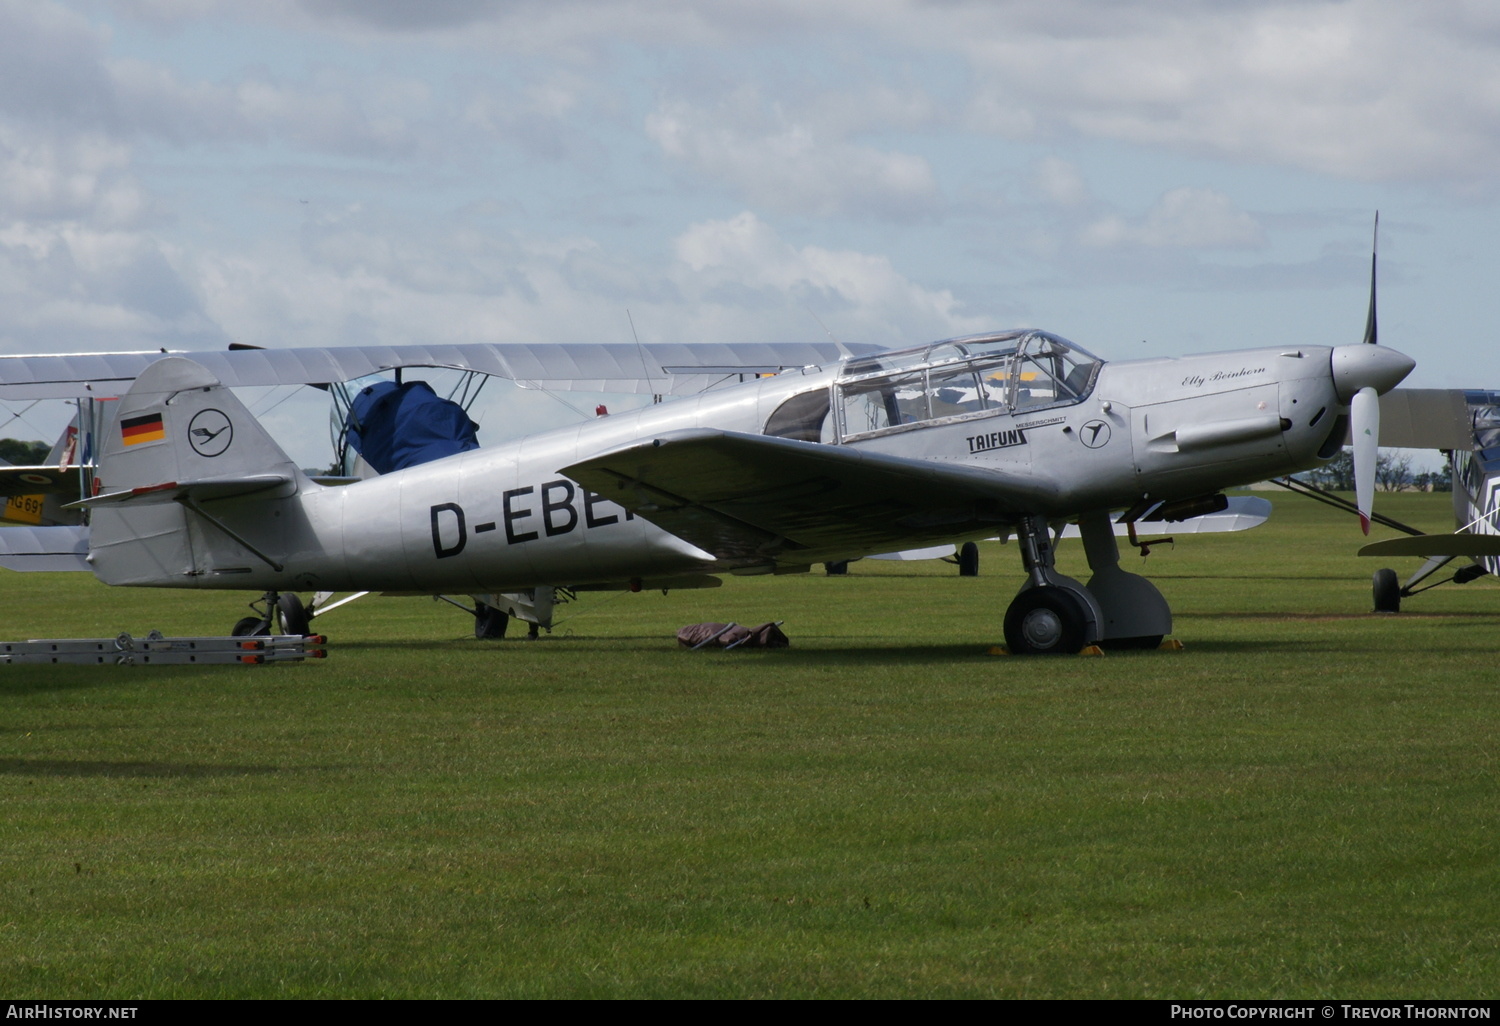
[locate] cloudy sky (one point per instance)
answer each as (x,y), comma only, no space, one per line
(1145,178)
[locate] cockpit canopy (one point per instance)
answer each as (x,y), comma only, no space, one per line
(958,378)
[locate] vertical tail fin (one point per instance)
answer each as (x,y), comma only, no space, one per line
(177,423)
(188,485)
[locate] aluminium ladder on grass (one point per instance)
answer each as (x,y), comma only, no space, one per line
(157,650)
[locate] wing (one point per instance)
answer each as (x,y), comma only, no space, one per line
(60,481)
(753,500)
(1462,544)
(44,548)
(666,369)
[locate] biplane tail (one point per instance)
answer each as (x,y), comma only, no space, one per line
(189,487)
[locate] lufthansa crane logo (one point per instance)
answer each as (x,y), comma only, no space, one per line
(210,432)
(1094,434)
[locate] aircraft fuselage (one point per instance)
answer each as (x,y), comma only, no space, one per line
(506,517)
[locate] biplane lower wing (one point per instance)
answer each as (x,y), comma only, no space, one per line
(44,549)
(1429,545)
(752,497)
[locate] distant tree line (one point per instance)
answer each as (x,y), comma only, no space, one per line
(23,454)
(1392,474)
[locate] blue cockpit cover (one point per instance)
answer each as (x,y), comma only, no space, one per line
(398,426)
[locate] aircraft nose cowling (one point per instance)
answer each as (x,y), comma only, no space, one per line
(1366,366)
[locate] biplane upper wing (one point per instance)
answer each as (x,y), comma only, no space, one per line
(748,498)
(658,368)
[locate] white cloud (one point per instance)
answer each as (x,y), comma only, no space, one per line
(49,177)
(1365,89)
(1061,182)
(744,256)
(1184,218)
(782,164)
(1376,90)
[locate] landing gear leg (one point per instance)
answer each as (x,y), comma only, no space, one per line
(1135,613)
(1053,614)
(285,611)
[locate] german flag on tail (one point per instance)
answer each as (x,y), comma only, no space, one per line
(145,428)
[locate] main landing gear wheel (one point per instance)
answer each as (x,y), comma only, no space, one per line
(489,623)
(968,560)
(1046,621)
(1387,589)
(294,616)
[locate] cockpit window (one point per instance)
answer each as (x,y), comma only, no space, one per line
(803,417)
(960,378)
(1050,372)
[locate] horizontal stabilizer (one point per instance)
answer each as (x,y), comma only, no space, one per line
(753,497)
(1428,545)
(46,549)
(204,490)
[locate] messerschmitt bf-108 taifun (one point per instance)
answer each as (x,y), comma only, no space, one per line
(852,454)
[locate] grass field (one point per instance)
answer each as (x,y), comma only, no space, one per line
(1300,804)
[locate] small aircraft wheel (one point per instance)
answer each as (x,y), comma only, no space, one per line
(1046,621)
(294,618)
(836,569)
(489,622)
(1387,589)
(968,560)
(249,627)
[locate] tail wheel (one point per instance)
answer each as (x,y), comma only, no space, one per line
(294,617)
(968,560)
(1387,590)
(1046,621)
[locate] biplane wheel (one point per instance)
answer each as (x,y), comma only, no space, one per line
(250,627)
(968,560)
(294,618)
(1387,589)
(1046,621)
(489,623)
